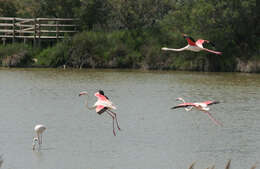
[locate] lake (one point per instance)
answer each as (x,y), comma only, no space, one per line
(153,136)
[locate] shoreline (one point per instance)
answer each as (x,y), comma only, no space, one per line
(116,69)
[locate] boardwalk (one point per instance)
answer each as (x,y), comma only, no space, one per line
(36,28)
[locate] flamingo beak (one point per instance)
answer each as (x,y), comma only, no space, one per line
(82,93)
(35,140)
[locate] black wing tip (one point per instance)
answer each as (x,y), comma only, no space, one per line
(212,43)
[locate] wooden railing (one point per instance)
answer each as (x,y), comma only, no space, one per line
(36,28)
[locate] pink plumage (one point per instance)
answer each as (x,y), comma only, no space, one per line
(103,104)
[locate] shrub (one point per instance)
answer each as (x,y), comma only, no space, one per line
(54,56)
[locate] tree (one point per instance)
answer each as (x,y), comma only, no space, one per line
(94,13)
(140,13)
(7,8)
(47,8)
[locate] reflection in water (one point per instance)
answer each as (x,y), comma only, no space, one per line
(153,136)
(38,154)
(38,157)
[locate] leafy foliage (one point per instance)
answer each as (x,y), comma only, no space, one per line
(7,8)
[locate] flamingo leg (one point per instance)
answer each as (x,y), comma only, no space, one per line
(38,136)
(114,127)
(213,119)
(41,138)
(113,117)
(116,119)
(212,51)
(39,147)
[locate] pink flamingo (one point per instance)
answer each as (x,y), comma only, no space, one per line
(102,105)
(194,46)
(203,106)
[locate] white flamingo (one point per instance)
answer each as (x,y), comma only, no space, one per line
(102,105)
(39,129)
(202,106)
(194,46)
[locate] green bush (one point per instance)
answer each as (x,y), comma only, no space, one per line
(54,56)
(99,49)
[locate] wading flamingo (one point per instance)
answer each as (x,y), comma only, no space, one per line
(203,106)
(102,105)
(194,46)
(39,129)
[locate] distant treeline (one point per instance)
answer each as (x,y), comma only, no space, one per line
(130,34)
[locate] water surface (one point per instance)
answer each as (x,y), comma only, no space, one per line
(153,136)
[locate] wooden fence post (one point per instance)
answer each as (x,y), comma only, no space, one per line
(57,30)
(39,32)
(13,30)
(4,39)
(35,32)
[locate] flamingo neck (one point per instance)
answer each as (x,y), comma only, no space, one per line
(181,99)
(90,108)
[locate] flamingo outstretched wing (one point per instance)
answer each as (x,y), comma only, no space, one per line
(103,101)
(200,42)
(99,107)
(211,102)
(100,96)
(190,40)
(182,105)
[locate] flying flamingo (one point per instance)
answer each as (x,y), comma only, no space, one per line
(39,129)
(102,105)
(194,46)
(203,106)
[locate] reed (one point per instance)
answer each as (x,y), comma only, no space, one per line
(192,165)
(227,166)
